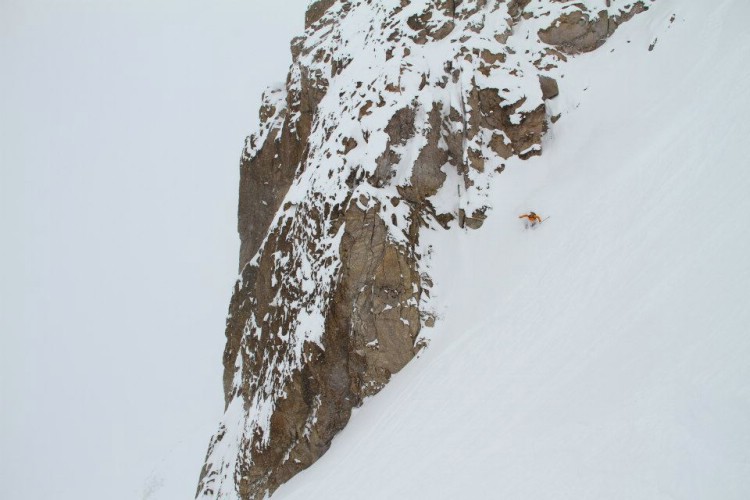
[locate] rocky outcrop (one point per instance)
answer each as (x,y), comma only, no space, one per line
(316,10)
(393,120)
(581,31)
(550,90)
(266,176)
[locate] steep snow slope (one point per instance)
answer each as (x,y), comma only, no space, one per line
(603,355)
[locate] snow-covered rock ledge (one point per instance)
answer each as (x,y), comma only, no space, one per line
(396,117)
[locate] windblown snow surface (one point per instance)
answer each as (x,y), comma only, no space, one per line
(604,354)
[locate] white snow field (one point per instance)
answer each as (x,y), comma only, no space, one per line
(606,354)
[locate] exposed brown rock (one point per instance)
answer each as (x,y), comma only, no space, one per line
(427,177)
(376,301)
(400,127)
(549,86)
(523,136)
(264,181)
(370,333)
(492,58)
(426,29)
(316,10)
(500,147)
(476,219)
(348,144)
(577,31)
(515,7)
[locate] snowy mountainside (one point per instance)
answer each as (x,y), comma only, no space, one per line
(603,355)
(395,122)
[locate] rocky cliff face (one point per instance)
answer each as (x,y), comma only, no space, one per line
(395,118)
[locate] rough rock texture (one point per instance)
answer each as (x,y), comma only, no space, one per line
(550,90)
(582,31)
(396,117)
(316,10)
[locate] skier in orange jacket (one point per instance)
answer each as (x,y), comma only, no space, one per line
(533,219)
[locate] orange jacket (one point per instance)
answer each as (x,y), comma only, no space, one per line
(531,216)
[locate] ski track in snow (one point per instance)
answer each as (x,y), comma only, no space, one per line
(603,355)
